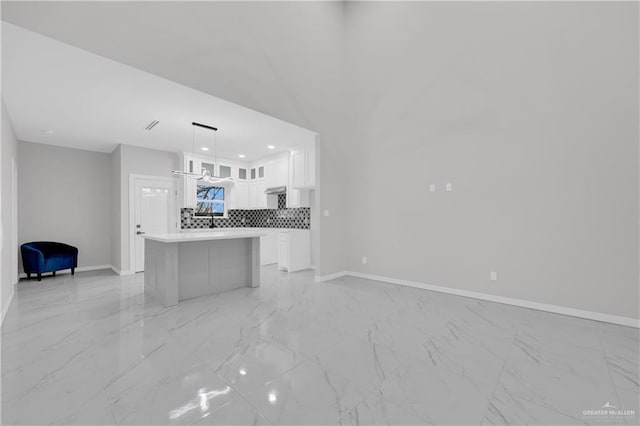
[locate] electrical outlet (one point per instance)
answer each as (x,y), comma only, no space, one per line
(449,187)
(493,276)
(326,212)
(432,187)
(364,260)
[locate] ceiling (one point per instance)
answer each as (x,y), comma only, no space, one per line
(62,95)
(284,59)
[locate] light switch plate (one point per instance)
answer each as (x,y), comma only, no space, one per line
(326,212)
(432,187)
(449,187)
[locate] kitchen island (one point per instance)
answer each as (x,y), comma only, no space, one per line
(183,265)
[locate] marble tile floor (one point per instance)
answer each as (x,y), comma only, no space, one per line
(93,350)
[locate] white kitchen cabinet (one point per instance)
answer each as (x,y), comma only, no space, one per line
(260,201)
(270,168)
(297,198)
(225,171)
(269,246)
(294,249)
(257,199)
(297,167)
(302,167)
(252,195)
(281,171)
(240,197)
(242,173)
(311,166)
(276,171)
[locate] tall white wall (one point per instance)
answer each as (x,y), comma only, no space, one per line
(531,112)
(116,208)
(8,151)
(64,195)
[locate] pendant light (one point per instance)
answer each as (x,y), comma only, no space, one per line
(204,175)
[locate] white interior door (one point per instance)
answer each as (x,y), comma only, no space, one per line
(154,202)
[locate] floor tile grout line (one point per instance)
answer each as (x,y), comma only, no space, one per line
(606,363)
(504,364)
(242,396)
(104,389)
(315,360)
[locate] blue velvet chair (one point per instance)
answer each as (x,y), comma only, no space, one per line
(46,256)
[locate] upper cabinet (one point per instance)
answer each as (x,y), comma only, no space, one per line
(276,171)
(294,170)
(302,167)
(242,173)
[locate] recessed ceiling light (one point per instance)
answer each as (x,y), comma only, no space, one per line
(241,155)
(271,147)
(204,148)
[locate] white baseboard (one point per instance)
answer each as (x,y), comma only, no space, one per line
(328,277)
(562,310)
(120,271)
(5,308)
(78,269)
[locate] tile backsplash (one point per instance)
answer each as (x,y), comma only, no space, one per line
(297,218)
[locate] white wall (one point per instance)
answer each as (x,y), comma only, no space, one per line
(141,161)
(64,195)
(116,208)
(531,111)
(8,152)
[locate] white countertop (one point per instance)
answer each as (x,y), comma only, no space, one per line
(181,237)
(262,230)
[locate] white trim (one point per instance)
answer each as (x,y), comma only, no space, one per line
(78,269)
(328,277)
(5,308)
(173,216)
(562,310)
(119,271)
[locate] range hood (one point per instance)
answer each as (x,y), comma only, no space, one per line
(276,190)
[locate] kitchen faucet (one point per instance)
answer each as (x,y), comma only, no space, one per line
(212,224)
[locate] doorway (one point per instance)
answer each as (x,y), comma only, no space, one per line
(154,202)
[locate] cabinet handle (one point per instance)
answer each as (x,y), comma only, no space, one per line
(139,232)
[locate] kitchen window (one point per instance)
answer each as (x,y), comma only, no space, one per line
(210,201)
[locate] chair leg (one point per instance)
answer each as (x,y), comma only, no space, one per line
(54,273)
(73,271)
(28,275)
(39,276)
